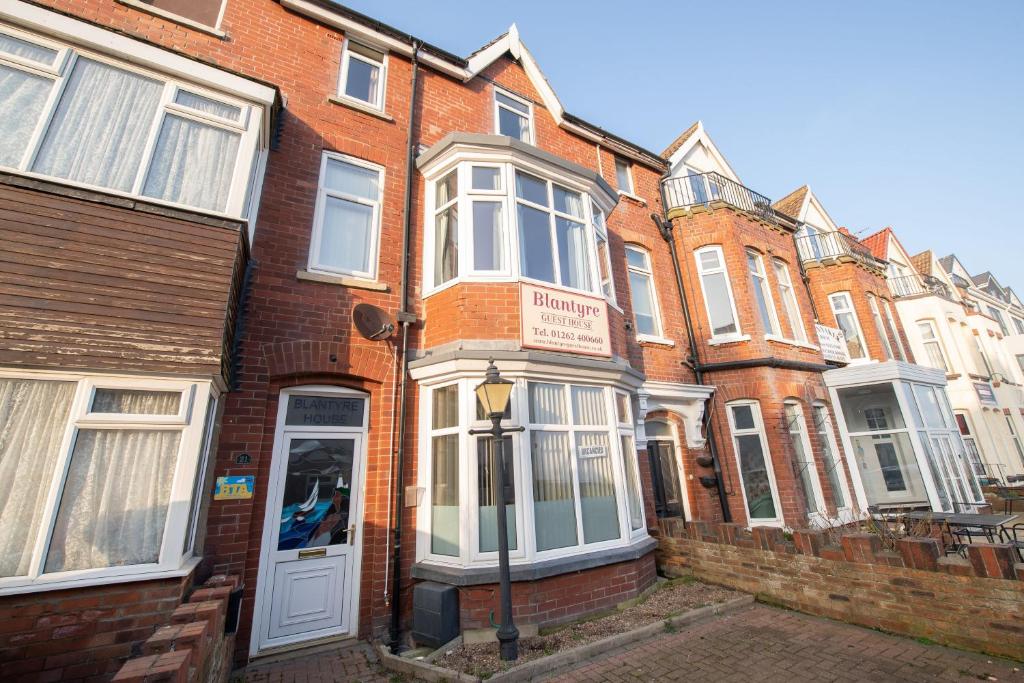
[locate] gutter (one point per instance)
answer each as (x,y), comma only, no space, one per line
(405,318)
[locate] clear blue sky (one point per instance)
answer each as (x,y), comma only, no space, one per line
(908,114)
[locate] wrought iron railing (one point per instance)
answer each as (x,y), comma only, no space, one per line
(702,189)
(831,246)
(913,285)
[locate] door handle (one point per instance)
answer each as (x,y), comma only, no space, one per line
(348,534)
(312,552)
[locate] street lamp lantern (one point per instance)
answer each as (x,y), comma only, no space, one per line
(494,394)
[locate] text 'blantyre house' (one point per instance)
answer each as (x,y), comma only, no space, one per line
(194,197)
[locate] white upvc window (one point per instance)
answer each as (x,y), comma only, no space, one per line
(805,468)
(932,345)
(787,295)
(760,492)
(1018,324)
(624,176)
(87,120)
(604,253)
(846,319)
(900,349)
(513,116)
(963,423)
(363,74)
(646,313)
(997,315)
(104,477)
(830,455)
(1014,438)
(762,293)
(718,298)
(572,478)
(347,219)
(876,316)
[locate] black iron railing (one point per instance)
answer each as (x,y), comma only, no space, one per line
(831,246)
(704,188)
(914,285)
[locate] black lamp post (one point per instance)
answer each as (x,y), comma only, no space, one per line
(494,394)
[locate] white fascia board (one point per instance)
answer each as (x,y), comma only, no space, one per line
(77,32)
(364,34)
(872,373)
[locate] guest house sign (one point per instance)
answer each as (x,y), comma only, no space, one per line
(561,321)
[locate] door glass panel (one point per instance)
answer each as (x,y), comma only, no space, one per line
(315,505)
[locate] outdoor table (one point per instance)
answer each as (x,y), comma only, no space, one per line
(991,525)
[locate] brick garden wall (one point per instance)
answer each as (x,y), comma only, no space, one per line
(972,603)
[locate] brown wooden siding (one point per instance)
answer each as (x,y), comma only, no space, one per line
(91,283)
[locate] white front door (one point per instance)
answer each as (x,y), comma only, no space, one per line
(308,581)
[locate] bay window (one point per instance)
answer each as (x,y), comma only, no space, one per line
(787,295)
(830,455)
(846,319)
(78,117)
(718,299)
(102,476)
(894,329)
(493,221)
(760,492)
(803,459)
(762,293)
(572,483)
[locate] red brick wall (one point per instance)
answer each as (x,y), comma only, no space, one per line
(913,590)
(559,598)
(82,633)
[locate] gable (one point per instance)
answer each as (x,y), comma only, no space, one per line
(699,153)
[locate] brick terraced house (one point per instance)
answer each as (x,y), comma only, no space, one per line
(257,255)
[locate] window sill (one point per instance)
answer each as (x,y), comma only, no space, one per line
(476,576)
(359,106)
(176,18)
(342,281)
(656,341)
(630,195)
(790,342)
(732,339)
(46,586)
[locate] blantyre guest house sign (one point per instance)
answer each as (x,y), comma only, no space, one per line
(563,321)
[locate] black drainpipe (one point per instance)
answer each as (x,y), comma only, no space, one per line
(665,228)
(405,318)
(803,274)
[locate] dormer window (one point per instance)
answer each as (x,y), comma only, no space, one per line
(363,74)
(513,116)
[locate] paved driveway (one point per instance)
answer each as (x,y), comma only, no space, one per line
(754,645)
(767,644)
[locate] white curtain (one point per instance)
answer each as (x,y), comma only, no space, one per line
(135,402)
(207,105)
(588,406)
(446,244)
(193,164)
(33,416)
(553,498)
(547,404)
(115,499)
(444,522)
(346,235)
(572,253)
(629,455)
(22,96)
(98,133)
(598,504)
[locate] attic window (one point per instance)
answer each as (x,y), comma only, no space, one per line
(513,116)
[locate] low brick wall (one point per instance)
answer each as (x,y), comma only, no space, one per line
(975,604)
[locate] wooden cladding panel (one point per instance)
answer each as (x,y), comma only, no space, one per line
(90,286)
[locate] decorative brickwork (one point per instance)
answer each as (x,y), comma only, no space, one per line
(972,603)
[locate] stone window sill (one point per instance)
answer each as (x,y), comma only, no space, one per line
(477,576)
(342,281)
(648,340)
(359,106)
(630,195)
(176,18)
(790,342)
(731,339)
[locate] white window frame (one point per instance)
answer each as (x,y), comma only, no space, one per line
(659,331)
(900,348)
(322,193)
(849,309)
(803,434)
(601,234)
(512,272)
(249,125)
(190,421)
(757,429)
(724,269)
(787,293)
(1018,324)
(1014,437)
(970,438)
(934,339)
(624,165)
(529,115)
(347,55)
(876,316)
(759,280)
(997,315)
(837,455)
(469,531)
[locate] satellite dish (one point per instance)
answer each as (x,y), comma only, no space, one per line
(372,322)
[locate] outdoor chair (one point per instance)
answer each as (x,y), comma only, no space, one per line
(963,536)
(1014,535)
